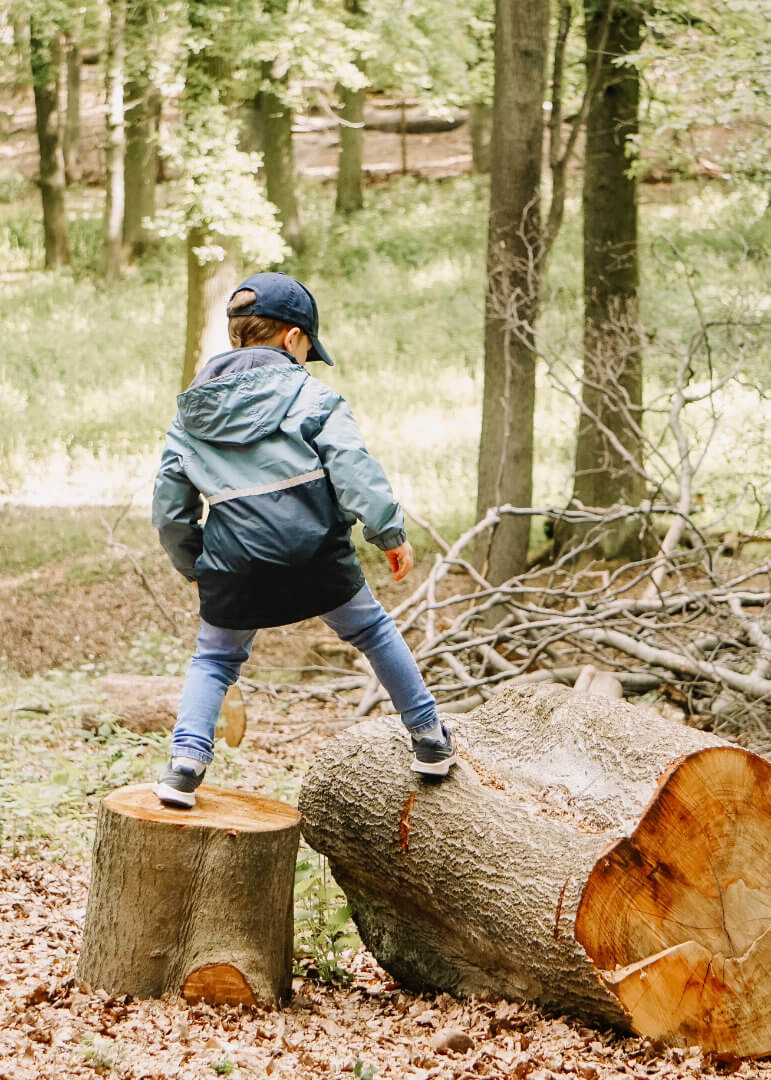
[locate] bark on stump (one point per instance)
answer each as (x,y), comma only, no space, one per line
(585,854)
(196,902)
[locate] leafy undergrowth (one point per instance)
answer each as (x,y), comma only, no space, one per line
(50,1027)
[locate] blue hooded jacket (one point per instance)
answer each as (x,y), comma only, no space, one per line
(284,473)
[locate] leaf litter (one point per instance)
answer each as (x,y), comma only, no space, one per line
(51,1027)
(363,1025)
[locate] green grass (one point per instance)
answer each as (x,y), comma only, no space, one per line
(34,537)
(89,374)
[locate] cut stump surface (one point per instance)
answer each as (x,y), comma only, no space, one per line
(677,916)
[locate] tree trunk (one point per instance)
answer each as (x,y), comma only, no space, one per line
(197,902)
(143,115)
(45,57)
(513,254)
(115,143)
(509,879)
(480,127)
(278,164)
(71,134)
(252,132)
(608,466)
(350,195)
(209,283)
(141,164)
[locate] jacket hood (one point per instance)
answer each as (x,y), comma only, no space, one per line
(241,397)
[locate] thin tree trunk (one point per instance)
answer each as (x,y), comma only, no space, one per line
(141,164)
(252,132)
(115,145)
(209,280)
(350,195)
(71,135)
(612,386)
(208,286)
(513,255)
(142,113)
(45,58)
(480,126)
(279,161)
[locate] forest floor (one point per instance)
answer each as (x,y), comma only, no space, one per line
(83,615)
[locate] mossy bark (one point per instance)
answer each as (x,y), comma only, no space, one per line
(209,282)
(143,115)
(115,141)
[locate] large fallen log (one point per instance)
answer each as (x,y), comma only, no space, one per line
(584,854)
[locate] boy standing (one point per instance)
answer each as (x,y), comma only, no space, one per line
(280,461)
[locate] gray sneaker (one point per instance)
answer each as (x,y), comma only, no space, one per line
(433,758)
(176,785)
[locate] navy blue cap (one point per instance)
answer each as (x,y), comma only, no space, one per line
(278,296)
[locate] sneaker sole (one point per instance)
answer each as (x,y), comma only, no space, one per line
(434,768)
(169,796)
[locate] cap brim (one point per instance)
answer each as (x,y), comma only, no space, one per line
(318,352)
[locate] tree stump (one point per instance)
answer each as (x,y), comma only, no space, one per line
(584,854)
(197,902)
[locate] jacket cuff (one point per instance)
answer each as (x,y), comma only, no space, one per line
(390,538)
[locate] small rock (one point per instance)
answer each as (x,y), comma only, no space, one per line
(451,1039)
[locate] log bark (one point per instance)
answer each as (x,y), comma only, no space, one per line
(150,702)
(473,886)
(194,902)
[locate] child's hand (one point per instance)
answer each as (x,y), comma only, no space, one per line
(401,560)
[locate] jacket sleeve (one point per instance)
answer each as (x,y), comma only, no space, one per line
(176,511)
(359,481)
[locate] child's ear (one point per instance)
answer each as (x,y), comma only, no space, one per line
(291,336)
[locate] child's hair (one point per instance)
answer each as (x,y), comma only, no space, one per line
(244,330)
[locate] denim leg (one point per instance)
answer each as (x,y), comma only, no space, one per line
(367,625)
(215,666)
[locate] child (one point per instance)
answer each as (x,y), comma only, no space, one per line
(281,463)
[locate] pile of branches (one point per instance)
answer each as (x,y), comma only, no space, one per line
(674,624)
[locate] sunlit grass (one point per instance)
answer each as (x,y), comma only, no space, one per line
(89,373)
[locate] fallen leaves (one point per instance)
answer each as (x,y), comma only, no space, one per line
(50,1027)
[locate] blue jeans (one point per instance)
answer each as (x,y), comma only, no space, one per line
(220,653)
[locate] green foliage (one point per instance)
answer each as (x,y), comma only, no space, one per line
(62,752)
(102,1053)
(224,1067)
(322,919)
(362,1071)
(705,64)
(13,186)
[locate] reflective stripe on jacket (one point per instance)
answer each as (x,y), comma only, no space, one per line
(280,460)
